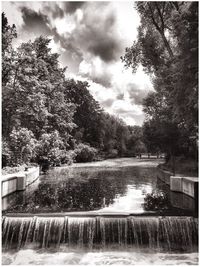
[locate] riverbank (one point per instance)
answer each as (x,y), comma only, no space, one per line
(120,162)
(10,170)
(117,162)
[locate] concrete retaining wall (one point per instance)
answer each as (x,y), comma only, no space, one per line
(179,183)
(18,181)
(186,185)
(164,175)
(8,186)
(183,201)
(31,175)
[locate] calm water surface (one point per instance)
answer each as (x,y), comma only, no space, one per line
(121,185)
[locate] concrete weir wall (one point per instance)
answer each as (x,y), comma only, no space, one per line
(179,183)
(18,181)
(186,185)
(184,191)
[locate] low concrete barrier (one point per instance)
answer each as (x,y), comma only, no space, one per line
(31,175)
(8,186)
(182,201)
(18,181)
(189,185)
(187,196)
(186,185)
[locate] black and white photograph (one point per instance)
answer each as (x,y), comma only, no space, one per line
(99,133)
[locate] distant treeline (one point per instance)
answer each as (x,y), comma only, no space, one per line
(48,118)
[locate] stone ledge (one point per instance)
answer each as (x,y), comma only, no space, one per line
(186,185)
(164,175)
(18,181)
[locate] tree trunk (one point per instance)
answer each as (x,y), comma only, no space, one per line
(167,44)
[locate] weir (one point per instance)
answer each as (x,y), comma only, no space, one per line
(169,233)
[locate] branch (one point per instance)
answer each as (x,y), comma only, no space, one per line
(152,18)
(161,17)
(161,31)
(163,10)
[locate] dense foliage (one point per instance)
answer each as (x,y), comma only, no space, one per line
(49,119)
(167,48)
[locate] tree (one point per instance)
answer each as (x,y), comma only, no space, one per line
(136,143)
(33,93)
(8,34)
(87,115)
(167,48)
(43,108)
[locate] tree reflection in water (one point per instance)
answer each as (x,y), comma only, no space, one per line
(83,189)
(70,196)
(87,189)
(156,200)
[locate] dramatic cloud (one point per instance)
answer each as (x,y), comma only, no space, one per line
(55,10)
(120,96)
(107,49)
(136,95)
(105,42)
(36,22)
(97,70)
(90,38)
(107,103)
(71,7)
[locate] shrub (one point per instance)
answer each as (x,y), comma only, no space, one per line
(22,145)
(85,153)
(54,156)
(156,201)
(68,157)
(113,153)
(50,148)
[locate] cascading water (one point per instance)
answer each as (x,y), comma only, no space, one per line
(101,232)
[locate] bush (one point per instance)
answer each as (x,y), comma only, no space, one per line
(112,153)
(68,157)
(85,153)
(22,146)
(156,201)
(50,149)
(54,156)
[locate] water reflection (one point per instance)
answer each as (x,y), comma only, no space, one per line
(156,201)
(125,189)
(163,199)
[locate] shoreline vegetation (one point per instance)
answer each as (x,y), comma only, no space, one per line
(183,166)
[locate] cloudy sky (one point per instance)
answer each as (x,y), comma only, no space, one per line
(90,38)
